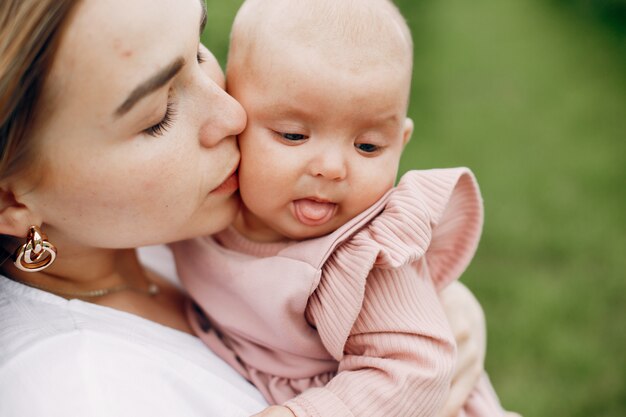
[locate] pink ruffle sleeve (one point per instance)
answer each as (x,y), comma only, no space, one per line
(376,307)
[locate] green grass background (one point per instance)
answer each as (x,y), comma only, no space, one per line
(532,96)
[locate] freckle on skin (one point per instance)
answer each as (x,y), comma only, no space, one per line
(124,53)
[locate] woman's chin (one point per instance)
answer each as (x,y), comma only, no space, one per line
(217,218)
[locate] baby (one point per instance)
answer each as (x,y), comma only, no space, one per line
(324,294)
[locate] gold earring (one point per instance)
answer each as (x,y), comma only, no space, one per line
(37,253)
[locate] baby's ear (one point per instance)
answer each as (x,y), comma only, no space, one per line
(407,131)
(15,217)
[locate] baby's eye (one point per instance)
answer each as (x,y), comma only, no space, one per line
(367,147)
(294,136)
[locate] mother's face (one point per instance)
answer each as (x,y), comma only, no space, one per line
(137,136)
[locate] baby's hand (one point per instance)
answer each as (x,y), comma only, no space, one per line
(275,411)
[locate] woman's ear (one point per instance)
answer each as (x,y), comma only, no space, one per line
(15,217)
(407,131)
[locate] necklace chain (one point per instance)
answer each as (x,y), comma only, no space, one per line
(152,290)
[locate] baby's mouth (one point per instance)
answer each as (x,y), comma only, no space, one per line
(312,212)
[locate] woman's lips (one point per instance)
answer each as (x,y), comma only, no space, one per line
(312,212)
(229,186)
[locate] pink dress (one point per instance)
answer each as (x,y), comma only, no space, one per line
(348,324)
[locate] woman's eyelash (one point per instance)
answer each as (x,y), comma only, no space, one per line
(170,112)
(201,56)
(160,128)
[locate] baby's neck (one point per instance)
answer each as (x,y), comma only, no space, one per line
(254,229)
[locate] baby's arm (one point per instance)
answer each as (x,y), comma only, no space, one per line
(466,319)
(398,359)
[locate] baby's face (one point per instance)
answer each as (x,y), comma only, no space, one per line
(322,143)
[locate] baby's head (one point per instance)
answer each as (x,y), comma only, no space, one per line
(325,84)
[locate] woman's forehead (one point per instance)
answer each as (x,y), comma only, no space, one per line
(109,47)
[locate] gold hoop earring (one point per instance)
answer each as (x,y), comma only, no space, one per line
(37,253)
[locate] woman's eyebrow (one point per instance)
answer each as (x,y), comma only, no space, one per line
(153,83)
(159,79)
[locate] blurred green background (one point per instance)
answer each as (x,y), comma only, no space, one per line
(531,94)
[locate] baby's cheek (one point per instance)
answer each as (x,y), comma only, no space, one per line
(371,190)
(261,175)
(253,193)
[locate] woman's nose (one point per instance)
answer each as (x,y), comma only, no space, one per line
(224,118)
(329,164)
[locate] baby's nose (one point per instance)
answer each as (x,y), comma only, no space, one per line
(330,165)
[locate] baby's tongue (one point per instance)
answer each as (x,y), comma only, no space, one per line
(313,213)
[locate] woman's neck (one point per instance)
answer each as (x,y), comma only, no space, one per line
(80,271)
(116,277)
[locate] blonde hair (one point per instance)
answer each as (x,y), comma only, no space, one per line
(30,31)
(369,24)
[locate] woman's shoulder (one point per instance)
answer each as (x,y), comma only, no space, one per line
(89,373)
(47,350)
(34,322)
(30,317)
(60,357)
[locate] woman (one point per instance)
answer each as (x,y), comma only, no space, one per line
(116,133)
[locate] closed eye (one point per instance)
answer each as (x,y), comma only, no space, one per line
(166,122)
(168,118)
(201,56)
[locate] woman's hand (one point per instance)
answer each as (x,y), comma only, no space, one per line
(467,321)
(275,411)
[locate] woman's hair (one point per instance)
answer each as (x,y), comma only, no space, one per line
(30,31)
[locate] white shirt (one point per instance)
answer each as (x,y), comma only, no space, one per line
(62,358)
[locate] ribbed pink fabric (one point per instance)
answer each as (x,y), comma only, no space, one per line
(348,324)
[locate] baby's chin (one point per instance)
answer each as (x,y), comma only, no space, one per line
(307,235)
